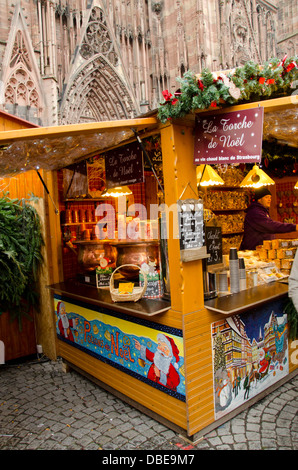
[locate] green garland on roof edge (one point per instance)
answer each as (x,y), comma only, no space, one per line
(252,82)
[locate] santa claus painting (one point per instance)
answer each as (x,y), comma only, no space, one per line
(162,371)
(64,324)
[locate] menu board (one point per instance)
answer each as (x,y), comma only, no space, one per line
(124,166)
(213,244)
(191,229)
(154,286)
(234,137)
(103,277)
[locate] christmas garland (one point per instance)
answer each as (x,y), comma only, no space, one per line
(252,82)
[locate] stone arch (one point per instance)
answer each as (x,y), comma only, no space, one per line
(97,93)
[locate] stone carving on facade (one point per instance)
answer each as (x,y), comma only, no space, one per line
(97,39)
(238,42)
(20,75)
(19,52)
(21,89)
(97,94)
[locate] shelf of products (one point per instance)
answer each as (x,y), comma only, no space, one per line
(228,203)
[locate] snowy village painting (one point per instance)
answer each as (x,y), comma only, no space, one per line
(250,353)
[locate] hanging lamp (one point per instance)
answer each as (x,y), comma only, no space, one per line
(206,176)
(118,191)
(256,178)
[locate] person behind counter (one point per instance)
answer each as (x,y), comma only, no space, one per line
(258,225)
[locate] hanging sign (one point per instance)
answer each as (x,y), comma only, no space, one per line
(213,244)
(234,137)
(191,229)
(124,166)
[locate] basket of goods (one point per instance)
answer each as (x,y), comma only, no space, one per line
(127,291)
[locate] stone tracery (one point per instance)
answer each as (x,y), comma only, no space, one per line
(20,86)
(97,39)
(97,94)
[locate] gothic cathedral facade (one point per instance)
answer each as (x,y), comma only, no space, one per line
(75,61)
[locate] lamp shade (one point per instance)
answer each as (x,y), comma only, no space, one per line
(117,192)
(256,178)
(206,176)
(296,185)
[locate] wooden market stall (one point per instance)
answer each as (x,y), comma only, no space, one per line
(116,343)
(21,342)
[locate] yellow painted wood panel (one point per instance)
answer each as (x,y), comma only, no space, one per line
(293,355)
(8,122)
(171,318)
(164,405)
(201,400)
(21,185)
(119,381)
(199,356)
(179,180)
(199,369)
(202,422)
(200,373)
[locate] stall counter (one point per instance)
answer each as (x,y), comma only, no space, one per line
(247,299)
(102,298)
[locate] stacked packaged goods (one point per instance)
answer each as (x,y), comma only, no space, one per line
(280,251)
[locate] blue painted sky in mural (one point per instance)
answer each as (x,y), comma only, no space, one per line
(253,320)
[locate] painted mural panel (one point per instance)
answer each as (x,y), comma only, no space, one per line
(250,353)
(148,351)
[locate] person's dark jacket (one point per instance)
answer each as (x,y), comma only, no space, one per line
(258,226)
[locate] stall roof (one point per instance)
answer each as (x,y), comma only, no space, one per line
(52,148)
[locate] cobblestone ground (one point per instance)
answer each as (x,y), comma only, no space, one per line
(44,408)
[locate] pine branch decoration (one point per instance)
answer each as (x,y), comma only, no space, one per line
(251,82)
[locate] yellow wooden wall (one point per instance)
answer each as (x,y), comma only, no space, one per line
(8,122)
(19,186)
(22,186)
(187,296)
(293,355)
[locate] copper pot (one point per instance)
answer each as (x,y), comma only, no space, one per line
(91,252)
(136,253)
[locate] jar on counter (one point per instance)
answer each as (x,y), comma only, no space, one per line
(252,278)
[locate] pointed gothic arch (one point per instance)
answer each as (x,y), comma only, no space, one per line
(97,93)
(97,90)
